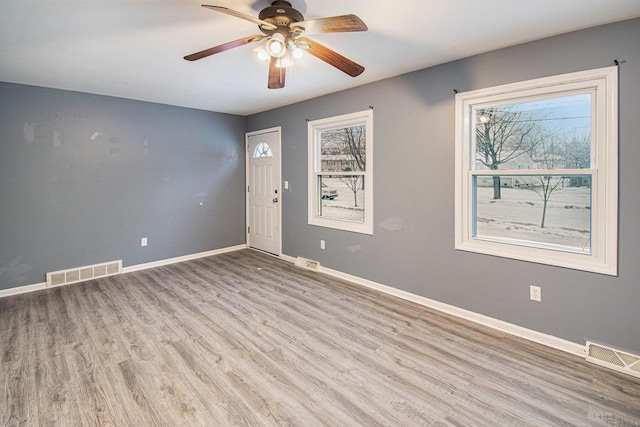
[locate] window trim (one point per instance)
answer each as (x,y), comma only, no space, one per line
(604,169)
(314,129)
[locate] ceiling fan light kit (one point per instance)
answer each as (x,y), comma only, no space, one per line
(283,26)
(262,54)
(296,52)
(275,45)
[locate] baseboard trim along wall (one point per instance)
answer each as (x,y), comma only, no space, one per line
(39,286)
(519,331)
(22,289)
(160,263)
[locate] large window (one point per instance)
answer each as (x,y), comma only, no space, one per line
(537,173)
(340,172)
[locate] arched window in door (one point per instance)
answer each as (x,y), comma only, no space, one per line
(262,150)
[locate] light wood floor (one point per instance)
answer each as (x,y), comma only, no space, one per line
(247,339)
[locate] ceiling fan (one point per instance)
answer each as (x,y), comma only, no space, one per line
(282,28)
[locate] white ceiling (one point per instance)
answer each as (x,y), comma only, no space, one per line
(134,48)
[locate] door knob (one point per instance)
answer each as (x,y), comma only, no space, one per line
(275,200)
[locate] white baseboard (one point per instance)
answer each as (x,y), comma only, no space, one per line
(168,261)
(39,286)
(22,289)
(519,331)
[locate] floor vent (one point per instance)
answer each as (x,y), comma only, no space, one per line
(615,359)
(80,274)
(308,264)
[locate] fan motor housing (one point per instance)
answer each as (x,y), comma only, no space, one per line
(281,14)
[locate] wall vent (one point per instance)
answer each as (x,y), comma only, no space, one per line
(614,359)
(308,264)
(80,274)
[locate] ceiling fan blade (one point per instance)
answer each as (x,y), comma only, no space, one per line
(263,24)
(223,47)
(276,75)
(331,57)
(335,24)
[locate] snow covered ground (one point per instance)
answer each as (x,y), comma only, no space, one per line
(518,215)
(342,207)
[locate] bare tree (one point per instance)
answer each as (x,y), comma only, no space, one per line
(549,153)
(502,135)
(355,184)
(349,144)
(558,151)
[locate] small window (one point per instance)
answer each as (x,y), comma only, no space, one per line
(262,150)
(536,171)
(340,172)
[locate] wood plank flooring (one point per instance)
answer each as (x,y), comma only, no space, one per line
(247,339)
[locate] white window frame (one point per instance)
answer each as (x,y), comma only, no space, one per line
(603,84)
(315,129)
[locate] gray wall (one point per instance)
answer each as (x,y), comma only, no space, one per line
(413,243)
(84,177)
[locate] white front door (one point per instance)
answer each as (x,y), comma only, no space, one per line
(263,190)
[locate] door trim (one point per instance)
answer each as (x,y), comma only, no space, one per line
(278,130)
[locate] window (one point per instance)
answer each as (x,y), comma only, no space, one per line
(262,150)
(537,173)
(340,172)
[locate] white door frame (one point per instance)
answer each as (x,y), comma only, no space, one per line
(278,130)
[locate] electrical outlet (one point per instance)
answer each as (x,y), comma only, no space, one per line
(143,241)
(321,244)
(535,293)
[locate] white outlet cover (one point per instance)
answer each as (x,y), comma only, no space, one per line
(535,293)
